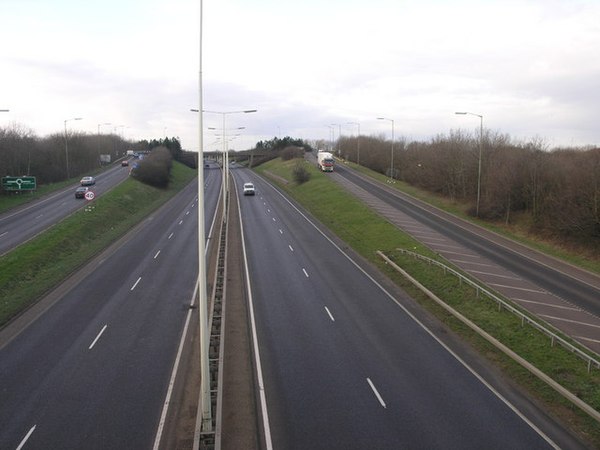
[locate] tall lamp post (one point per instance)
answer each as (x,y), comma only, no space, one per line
(102,124)
(392,156)
(357,142)
(339,135)
(205,398)
(226,166)
(225,144)
(330,137)
(204,415)
(67,144)
(480,149)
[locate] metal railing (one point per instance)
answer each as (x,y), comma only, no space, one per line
(502,303)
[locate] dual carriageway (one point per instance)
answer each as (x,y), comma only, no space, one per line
(347,361)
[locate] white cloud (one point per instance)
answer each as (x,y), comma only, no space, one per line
(529,66)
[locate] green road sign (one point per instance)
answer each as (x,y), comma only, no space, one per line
(18,183)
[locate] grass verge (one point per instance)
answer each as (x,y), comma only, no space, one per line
(34,268)
(366,232)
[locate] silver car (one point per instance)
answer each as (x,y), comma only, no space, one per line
(88,181)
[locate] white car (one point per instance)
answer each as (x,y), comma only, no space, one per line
(248,189)
(88,181)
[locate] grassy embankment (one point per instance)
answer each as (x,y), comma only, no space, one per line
(366,232)
(37,266)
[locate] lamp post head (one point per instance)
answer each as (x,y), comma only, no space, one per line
(246,111)
(470,113)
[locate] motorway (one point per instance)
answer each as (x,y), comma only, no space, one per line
(346,364)
(19,225)
(93,370)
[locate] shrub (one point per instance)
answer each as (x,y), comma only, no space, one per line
(155,169)
(301,175)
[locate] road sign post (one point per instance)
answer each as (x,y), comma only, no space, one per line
(24,183)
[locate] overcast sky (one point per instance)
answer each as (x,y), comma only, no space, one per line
(530,67)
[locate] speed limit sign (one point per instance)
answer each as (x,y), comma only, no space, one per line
(89,195)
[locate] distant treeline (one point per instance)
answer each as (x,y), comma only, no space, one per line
(555,192)
(24,153)
(280,144)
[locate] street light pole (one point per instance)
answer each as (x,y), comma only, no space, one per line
(480,150)
(330,137)
(357,142)
(339,135)
(204,408)
(101,124)
(67,145)
(205,419)
(225,150)
(392,157)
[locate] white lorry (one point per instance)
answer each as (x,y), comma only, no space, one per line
(325,161)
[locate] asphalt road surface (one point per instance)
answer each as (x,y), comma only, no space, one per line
(561,294)
(19,225)
(345,365)
(93,370)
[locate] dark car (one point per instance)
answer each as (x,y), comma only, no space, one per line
(80,191)
(125,163)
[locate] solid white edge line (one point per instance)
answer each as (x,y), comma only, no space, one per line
(376,392)
(330,315)
(98,337)
(427,330)
(261,385)
(27,436)
(163,416)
